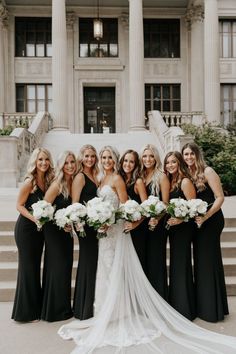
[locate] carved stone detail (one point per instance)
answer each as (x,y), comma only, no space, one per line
(4,15)
(124,19)
(195,13)
(70,19)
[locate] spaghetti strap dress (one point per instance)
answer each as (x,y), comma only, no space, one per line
(58,261)
(87,265)
(156,255)
(211,294)
(30,242)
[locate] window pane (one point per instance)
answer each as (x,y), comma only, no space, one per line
(39,50)
(20,106)
(30,50)
(40,92)
(83,50)
(166,105)
(49,50)
(31,106)
(49,106)
(113,50)
(49,91)
(176,106)
(157,105)
(166,91)
(31,91)
(176,92)
(156,92)
(41,105)
(20,92)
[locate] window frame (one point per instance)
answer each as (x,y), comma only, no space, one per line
(231,103)
(162,99)
(230,38)
(26,100)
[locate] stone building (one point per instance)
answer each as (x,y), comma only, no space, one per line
(167,55)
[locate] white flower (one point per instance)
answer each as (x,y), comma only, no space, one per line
(130,211)
(153,207)
(197,207)
(178,208)
(42,211)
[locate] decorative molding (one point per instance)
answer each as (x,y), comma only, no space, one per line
(124,19)
(70,19)
(195,13)
(4,15)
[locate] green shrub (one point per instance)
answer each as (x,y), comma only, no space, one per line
(219,152)
(6,131)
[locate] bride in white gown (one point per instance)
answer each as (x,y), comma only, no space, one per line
(130,317)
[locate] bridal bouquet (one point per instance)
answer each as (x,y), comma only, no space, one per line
(197,207)
(129,211)
(178,208)
(72,215)
(100,214)
(154,208)
(43,212)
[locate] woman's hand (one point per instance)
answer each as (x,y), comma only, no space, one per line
(174,221)
(153,222)
(200,220)
(103,229)
(128,226)
(67,228)
(79,226)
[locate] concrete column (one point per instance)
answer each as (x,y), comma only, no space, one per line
(70,19)
(3,54)
(59,65)
(194,19)
(136,65)
(211,61)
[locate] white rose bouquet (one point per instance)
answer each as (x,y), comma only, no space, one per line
(153,207)
(72,215)
(42,212)
(100,214)
(129,211)
(197,207)
(178,208)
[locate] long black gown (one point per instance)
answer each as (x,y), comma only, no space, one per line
(139,234)
(156,256)
(87,265)
(181,287)
(57,271)
(211,294)
(29,241)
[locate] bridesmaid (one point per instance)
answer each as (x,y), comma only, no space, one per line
(157,184)
(181,286)
(58,258)
(130,172)
(84,188)
(29,241)
(211,294)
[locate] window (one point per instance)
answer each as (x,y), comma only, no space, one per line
(228,104)
(33,98)
(33,37)
(162,97)
(90,47)
(228,38)
(161,38)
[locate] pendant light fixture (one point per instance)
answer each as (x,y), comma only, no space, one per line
(97,25)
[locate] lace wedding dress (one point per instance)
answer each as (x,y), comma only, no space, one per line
(130,317)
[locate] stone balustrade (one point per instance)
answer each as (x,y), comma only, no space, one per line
(176,119)
(16,119)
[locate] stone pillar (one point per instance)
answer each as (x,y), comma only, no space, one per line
(194,20)
(59,65)
(3,55)
(211,61)
(136,65)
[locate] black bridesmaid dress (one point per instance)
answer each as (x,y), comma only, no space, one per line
(181,287)
(58,261)
(211,294)
(87,265)
(156,256)
(29,241)
(139,234)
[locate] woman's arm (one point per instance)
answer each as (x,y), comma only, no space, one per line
(165,188)
(214,182)
(24,193)
(77,186)
(140,189)
(52,192)
(120,188)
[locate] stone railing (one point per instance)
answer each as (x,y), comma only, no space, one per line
(169,138)
(176,119)
(16,120)
(16,149)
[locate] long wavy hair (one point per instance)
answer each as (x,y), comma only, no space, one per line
(137,167)
(197,174)
(157,171)
(31,171)
(182,171)
(95,169)
(59,174)
(115,157)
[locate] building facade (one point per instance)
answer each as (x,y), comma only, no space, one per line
(171,56)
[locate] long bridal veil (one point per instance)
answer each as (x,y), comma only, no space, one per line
(134,319)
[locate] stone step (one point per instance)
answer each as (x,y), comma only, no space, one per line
(228,234)
(230,282)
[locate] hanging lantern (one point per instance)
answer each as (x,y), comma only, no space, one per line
(97,25)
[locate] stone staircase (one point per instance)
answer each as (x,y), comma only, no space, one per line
(8,258)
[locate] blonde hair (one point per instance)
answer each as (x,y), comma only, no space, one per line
(155,180)
(85,147)
(198,176)
(31,171)
(115,157)
(59,175)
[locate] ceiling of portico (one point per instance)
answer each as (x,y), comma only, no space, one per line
(103,3)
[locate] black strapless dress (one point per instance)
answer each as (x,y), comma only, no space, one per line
(57,271)
(208,268)
(29,241)
(87,265)
(181,284)
(139,234)
(156,256)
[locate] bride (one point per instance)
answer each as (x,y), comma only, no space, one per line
(130,317)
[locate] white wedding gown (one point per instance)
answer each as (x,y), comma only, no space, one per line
(130,317)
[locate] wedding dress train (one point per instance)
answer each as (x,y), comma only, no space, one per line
(130,316)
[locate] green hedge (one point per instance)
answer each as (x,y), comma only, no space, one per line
(219,150)
(6,130)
